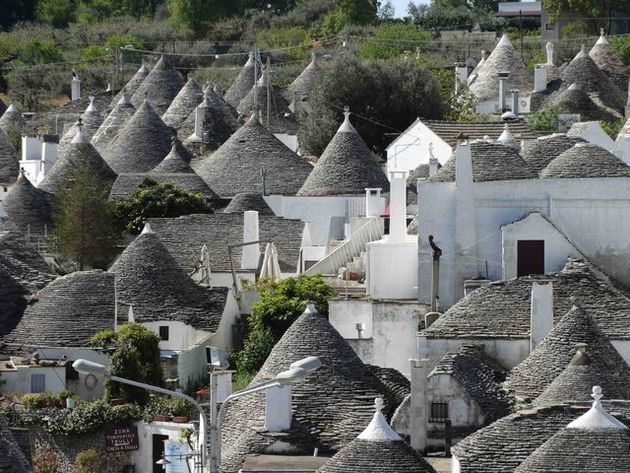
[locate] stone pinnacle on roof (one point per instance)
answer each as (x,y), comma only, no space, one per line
(160,86)
(242,84)
(605,56)
(174,162)
(236,165)
(378,429)
(89,121)
(345,167)
(506,136)
(183,104)
(597,417)
(142,142)
(530,378)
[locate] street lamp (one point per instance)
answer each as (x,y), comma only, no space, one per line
(98,370)
(297,372)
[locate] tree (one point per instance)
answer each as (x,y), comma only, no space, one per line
(279,305)
(193,14)
(153,200)
(135,356)
(386,11)
(596,11)
(59,13)
(385,96)
(14,11)
(83,229)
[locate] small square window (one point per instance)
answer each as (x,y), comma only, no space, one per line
(163,332)
(38,383)
(439,412)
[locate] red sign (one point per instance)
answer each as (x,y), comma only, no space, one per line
(121,438)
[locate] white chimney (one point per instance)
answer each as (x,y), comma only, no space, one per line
(50,151)
(373,202)
(397,206)
(419,404)
(75,88)
(307,239)
(540,78)
(434,166)
(624,144)
(461,71)
(515,93)
(463,165)
(503,76)
(30,148)
(278,409)
(200,118)
(541,318)
(549,48)
(251,253)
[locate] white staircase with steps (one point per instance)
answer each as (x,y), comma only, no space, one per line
(351,253)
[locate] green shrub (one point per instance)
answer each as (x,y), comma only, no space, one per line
(295,38)
(622,47)
(394,39)
(57,13)
(576,29)
(613,128)
(46,460)
(90,461)
(545,119)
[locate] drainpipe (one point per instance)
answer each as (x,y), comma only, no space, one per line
(435,275)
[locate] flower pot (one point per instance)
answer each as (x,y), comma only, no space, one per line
(161,418)
(180,419)
(117,402)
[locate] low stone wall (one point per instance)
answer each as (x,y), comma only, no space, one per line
(68,446)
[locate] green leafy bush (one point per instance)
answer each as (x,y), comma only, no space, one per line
(295,37)
(545,119)
(622,47)
(613,128)
(393,39)
(90,461)
(279,305)
(157,200)
(46,460)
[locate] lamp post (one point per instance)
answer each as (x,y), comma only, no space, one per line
(297,372)
(98,370)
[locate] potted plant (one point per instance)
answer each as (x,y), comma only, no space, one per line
(68,397)
(180,410)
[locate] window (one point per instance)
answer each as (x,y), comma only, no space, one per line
(530,257)
(163,332)
(38,383)
(439,412)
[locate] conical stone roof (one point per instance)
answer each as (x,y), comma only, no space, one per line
(149,278)
(378,449)
(503,58)
(574,383)
(173,162)
(109,129)
(90,121)
(79,152)
(256,100)
(142,143)
(585,160)
(333,402)
(12,119)
(183,104)
(160,86)
(304,83)
(9,160)
(28,207)
(530,378)
(575,100)
(540,152)
(248,201)
(583,71)
(345,167)
(242,84)
(132,85)
(595,442)
(236,166)
(219,123)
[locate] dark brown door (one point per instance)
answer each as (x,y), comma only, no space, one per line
(531,257)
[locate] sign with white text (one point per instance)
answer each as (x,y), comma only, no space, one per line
(121,438)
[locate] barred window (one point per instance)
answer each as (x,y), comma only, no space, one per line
(439,412)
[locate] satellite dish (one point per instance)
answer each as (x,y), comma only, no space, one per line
(217,357)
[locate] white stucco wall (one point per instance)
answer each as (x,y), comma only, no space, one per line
(392,271)
(462,409)
(389,339)
(535,227)
(509,352)
(143,457)
(180,337)
(592,213)
(317,211)
(19,380)
(411,148)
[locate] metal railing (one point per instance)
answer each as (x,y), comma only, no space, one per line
(349,249)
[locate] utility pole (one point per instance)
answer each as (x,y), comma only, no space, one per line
(268,91)
(255,79)
(520,28)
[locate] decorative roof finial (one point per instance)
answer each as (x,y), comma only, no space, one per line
(379,404)
(174,141)
(147,229)
(346,126)
(601,31)
(597,394)
(431,156)
(80,123)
